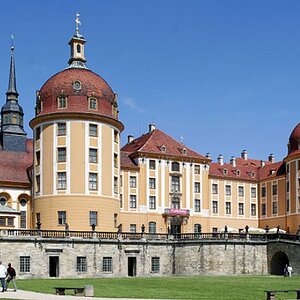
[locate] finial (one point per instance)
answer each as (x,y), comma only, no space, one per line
(77,22)
(12,42)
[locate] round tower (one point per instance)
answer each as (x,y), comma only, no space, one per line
(76,149)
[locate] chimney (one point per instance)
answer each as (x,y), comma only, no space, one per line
(271,158)
(208,155)
(232,161)
(244,155)
(221,159)
(262,163)
(129,139)
(151,127)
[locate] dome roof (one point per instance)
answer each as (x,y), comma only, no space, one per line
(77,85)
(294,140)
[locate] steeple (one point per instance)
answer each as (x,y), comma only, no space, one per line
(13,136)
(77,59)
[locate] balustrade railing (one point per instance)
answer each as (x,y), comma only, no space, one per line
(62,234)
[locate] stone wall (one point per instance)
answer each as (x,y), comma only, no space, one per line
(175,257)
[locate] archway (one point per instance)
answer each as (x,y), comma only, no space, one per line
(278,262)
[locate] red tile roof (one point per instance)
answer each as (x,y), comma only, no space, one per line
(152,143)
(14,165)
(127,162)
(272,170)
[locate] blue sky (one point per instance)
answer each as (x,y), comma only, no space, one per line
(224,75)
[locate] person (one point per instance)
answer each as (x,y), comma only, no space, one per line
(11,275)
(289,269)
(285,271)
(2,276)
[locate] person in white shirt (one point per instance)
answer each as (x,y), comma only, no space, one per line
(2,275)
(290,269)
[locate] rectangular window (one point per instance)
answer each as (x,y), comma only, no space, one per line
(121,180)
(197,169)
(155,264)
(93,181)
(37,133)
(121,200)
(93,218)
(115,220)
(93,130)
(38,183)
(132,203)
(241,209)
(151,183)
(197,205)
(215,207)
(241,191)
(274,207)
(228,190)
(263,209)
(253,209)
(38,157)
(115,160)
(81,265)
(23,220)
(152,165)
(253,192)
(152,202)
(107,264)
(197,187)
(132,228)
(116,185)
(214,188)
(274,189)
(175,184)
(62,102)
(287,205)
(61,154)
(24,264)
(228,208)
(132,181)
(10,221)
(2,221)
(61,180)
(38,217)
(93,103)
(263,191)
(62,217)
(175,167)
(175,202)
(116,140)
(61,129)
(287,186)
(93,155)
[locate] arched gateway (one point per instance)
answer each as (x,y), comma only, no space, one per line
(278,262)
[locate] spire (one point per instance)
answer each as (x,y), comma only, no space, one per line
(12,85)
(77,59)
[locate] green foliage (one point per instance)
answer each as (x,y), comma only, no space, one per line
(194,287)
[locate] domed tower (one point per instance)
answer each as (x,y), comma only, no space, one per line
(292,162)
(76,148)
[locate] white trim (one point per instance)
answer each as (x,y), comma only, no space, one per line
(86,158)
(188,187)
(54,131)
(68,162)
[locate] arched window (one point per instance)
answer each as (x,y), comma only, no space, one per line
(78,48)
(197,228)
(62,102)
(23,202)
(3,200)
(152,227)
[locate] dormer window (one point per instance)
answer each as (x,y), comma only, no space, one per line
(93,103)
(184,151)
(62,102)
(252,174)
(272,172)
(163,148)
(225,171)
(238,173)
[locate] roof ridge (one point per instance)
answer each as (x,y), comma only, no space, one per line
(150,135)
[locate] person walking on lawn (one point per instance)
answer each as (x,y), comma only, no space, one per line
(2,275)
(11,275)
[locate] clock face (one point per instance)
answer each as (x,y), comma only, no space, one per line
(77,85)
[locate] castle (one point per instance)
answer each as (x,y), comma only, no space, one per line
(74,173)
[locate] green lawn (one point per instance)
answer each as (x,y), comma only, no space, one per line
(195,287)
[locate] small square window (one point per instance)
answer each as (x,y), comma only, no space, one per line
(61,129)
(93,130)
(93,155)
(61,154)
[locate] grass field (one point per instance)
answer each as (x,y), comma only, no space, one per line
(195,287)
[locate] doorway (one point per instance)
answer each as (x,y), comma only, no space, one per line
(175,226)
(132,266)
(278,262)
(53,266)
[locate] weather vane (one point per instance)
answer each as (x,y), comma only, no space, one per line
(12,42)
(77,22)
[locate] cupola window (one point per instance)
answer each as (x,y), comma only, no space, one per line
(3,201)
(77,85)
(62,102)
(93,103)
(78,48)
(163,148)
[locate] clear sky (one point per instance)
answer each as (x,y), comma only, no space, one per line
(224,75)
